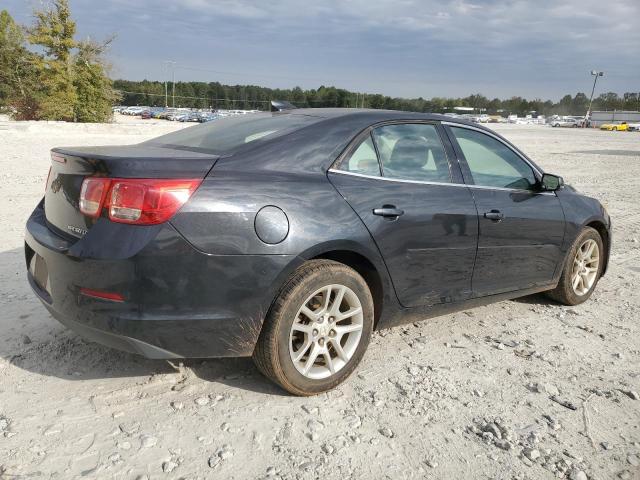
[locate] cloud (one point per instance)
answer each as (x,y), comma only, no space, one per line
(401,47)
(581,25)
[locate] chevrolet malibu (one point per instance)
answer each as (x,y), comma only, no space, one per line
(291,236)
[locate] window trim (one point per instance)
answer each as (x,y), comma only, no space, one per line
(334,168)
(451,184)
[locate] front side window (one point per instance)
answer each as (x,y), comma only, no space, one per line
(412,152)
(492,163)
(363,160)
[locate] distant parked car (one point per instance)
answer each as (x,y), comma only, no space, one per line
(615,127)
(204,117)
(177,115)
(566,122)
(134,110)
(190,117)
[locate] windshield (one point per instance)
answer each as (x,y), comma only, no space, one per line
(226,135)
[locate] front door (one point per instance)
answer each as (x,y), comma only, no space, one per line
(521,227)
(399,182)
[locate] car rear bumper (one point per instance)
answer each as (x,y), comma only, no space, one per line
(177,301)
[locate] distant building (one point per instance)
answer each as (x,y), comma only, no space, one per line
(614,116)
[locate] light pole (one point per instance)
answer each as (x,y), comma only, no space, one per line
(595,74)
(166,92)
(173,84)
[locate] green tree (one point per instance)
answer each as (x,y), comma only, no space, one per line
(93,88)
(16,63)
(53,32)
(252,96)
(11,44)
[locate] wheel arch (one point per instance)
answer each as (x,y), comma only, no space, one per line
(601,228)
(367,270)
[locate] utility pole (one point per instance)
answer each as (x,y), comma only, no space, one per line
(173,84)
(166,92)
(595,74)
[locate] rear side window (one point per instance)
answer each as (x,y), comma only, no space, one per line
(363,160)
(412,152)
(226,135)
(492,163)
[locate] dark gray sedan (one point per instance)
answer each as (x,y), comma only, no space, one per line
(291,236)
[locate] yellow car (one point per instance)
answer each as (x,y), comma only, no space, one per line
(620,127)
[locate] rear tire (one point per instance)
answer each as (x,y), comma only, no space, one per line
(581,270)
(317,330)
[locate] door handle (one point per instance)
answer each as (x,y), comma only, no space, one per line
(494,215)
(388,211)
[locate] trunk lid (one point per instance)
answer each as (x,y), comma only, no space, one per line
(69,167)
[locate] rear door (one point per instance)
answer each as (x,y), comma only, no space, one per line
(521,227)
(399,180)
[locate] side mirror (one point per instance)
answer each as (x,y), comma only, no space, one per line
(551,182)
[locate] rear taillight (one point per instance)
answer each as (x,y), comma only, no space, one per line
(148,201)
(135,201)
(92,195)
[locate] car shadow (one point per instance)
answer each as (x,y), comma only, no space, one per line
(32,340)
(536,299)
(68,356)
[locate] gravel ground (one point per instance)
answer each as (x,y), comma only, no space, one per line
(521,389)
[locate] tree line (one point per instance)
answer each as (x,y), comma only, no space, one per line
(216,95)
(47,74)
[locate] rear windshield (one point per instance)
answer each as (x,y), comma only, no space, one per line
(225,135)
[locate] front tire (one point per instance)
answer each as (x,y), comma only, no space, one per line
(317,330)
(582,269)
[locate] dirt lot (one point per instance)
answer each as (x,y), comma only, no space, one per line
(460,396)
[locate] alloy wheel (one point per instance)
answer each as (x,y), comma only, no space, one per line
(326,331)
(585,267)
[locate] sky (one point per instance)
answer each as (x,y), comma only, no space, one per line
(404,48)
